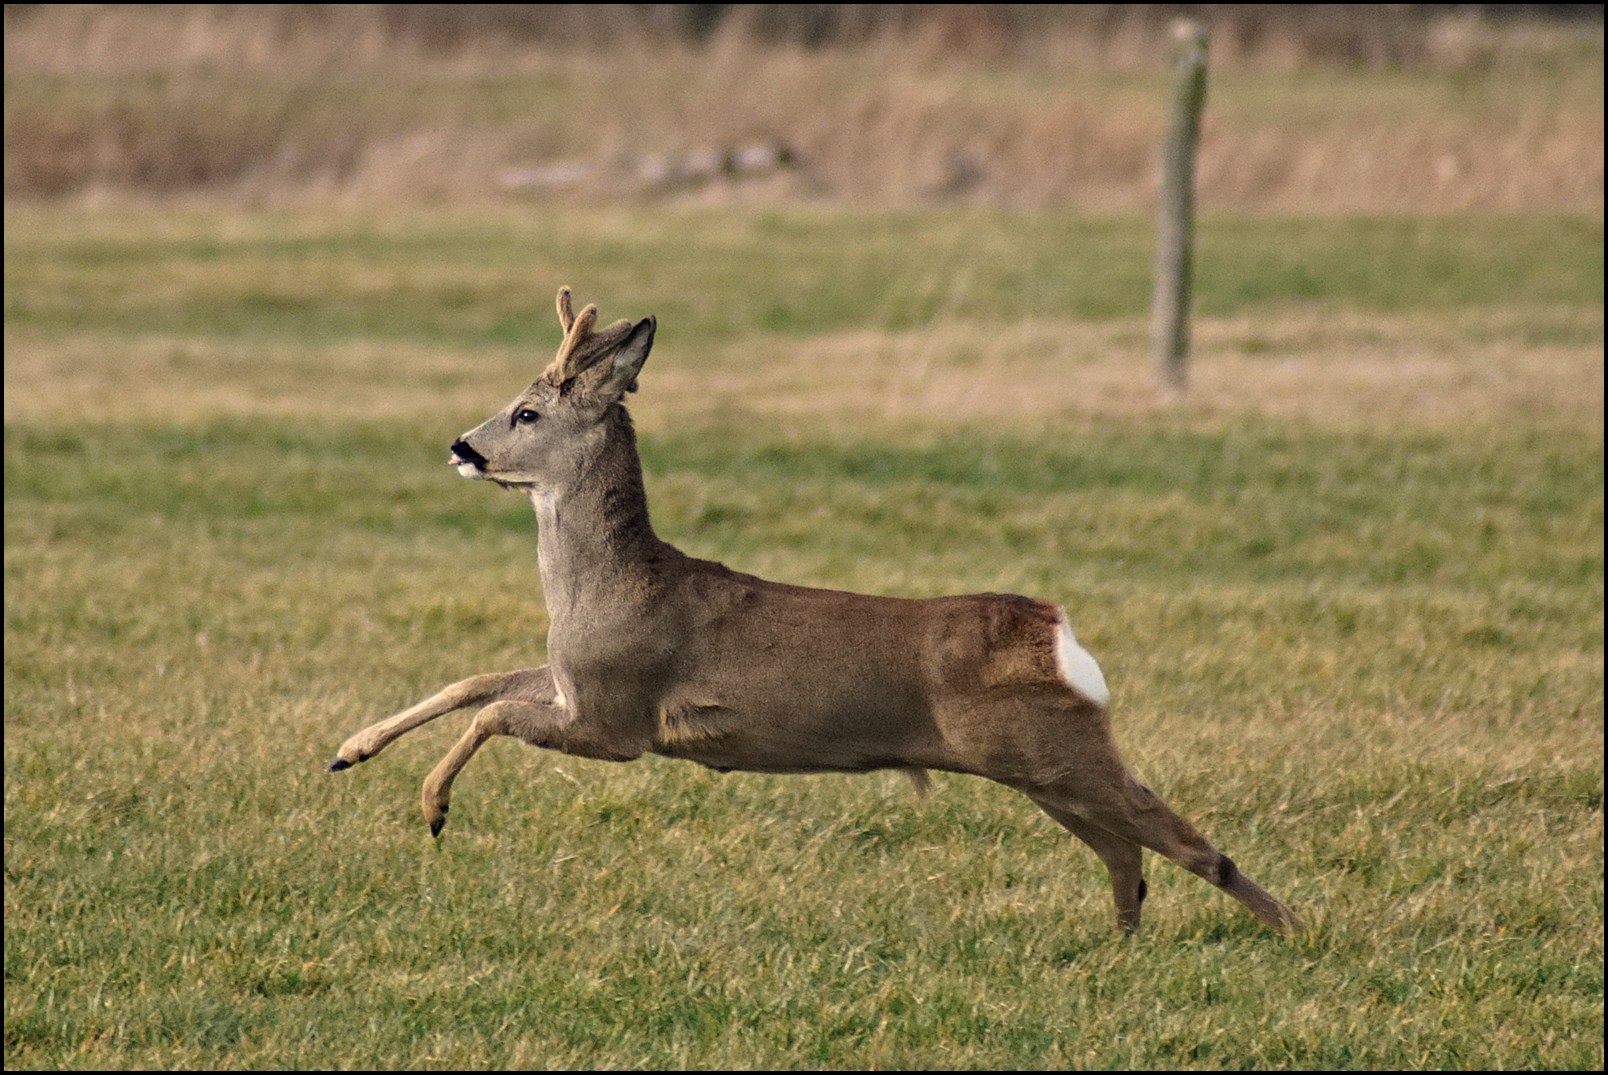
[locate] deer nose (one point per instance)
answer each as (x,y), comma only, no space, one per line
(462,453)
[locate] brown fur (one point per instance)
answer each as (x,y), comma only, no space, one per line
(654,651)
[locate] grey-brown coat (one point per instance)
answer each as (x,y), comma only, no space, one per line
(653,651)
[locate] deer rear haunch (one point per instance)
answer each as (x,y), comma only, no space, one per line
(654,651)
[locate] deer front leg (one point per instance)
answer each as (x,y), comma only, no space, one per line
(476,690)
(535,722)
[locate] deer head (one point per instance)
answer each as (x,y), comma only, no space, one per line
(548,433)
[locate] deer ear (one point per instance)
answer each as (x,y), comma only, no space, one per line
(617,374)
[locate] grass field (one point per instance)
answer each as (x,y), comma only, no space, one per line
(1349,598)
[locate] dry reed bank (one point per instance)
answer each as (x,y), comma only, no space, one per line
(1378,109)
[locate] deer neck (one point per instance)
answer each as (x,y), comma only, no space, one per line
(593,532)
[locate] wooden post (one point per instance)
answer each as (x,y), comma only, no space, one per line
(1175,217)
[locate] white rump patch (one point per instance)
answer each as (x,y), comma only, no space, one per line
(1079,669)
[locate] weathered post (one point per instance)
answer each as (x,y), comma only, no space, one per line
(1175,217)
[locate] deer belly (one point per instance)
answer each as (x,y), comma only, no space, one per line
(789,740)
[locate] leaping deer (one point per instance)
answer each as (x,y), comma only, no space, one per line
(654,651)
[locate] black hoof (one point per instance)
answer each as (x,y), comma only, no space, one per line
(338,764)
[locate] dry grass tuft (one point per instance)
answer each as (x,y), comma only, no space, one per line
(1324,369)
(1335,371)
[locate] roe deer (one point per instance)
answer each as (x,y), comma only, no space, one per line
(651,650)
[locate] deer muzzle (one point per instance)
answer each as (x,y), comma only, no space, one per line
(470,463)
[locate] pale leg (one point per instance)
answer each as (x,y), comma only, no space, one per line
(476,690)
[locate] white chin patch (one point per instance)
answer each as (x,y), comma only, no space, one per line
(1079,669)
(469,470)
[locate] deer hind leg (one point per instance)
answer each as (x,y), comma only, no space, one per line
(1129,809)
(1123,858)
(476,690)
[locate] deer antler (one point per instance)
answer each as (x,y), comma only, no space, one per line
(581,347)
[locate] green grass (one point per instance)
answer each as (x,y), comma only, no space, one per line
(484,279)
(1365,656)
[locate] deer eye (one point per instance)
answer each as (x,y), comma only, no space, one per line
(526,416)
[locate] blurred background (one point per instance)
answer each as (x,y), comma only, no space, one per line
(1313,108)
(264,262)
